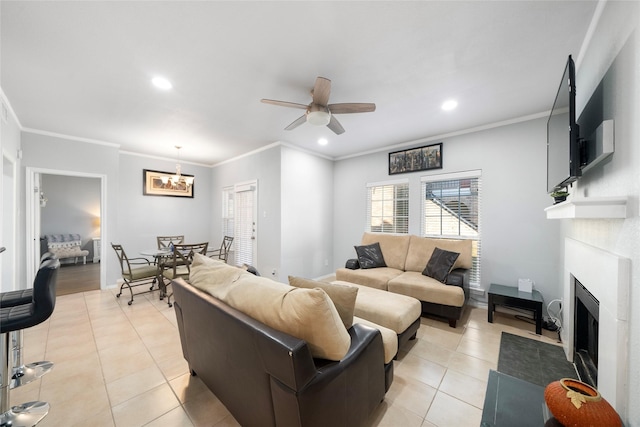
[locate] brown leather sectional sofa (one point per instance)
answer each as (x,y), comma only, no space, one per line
(265,377)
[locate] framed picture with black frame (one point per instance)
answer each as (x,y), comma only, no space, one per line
(416,159)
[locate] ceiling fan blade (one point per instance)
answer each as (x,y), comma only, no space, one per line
(284,103)
(321,91)
(352,107)
(335,126)
(300,120)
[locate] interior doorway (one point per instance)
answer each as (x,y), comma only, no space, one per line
(70,208)
(8,220)
(79,218)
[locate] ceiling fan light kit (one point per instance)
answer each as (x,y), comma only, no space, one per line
(319,112)
(318,118)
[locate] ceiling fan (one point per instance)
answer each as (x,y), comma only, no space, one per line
(319,112)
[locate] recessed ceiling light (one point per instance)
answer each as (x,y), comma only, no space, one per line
(161,83)
(449,105)
(323,141)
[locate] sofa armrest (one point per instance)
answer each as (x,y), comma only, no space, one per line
(362,337)
(357,382)
(459,277)
(297,370)
(286,358)
(352,264)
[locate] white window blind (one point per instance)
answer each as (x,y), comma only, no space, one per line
(388,208)
(228,212)
(244,226)
(451,209)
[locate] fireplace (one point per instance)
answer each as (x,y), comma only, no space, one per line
(585,341)
(606,278)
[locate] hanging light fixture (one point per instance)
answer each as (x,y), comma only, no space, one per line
(178,178)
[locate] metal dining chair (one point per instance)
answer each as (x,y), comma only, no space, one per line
(166,241)
(145,274)
(179,265)
(223,252)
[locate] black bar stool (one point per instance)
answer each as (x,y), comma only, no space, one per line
(21,296)
(23,374)
(16,318)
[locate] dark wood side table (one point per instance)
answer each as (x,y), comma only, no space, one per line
(510,296)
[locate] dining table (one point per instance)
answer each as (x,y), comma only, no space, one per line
(159,254)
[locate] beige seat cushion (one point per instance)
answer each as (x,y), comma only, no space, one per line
(394,247)
(425,288)
(421,249)
(142,272)
(394,311)
(373,277)
(343,295)
(389,338)
(308,314)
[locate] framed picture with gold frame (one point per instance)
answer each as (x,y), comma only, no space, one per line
(159,183)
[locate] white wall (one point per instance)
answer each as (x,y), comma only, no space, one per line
(140,218)
(517,240)
(613,59)
(263,166)
(295,203)
(132,219)
(12,263)
(307,215)
(61,154)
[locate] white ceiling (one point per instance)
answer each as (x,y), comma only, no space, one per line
(83,69)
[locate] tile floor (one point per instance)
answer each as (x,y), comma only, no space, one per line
(121,365)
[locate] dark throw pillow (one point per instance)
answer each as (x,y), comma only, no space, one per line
(352,264)
(440,264)
(370,256)
(251,269)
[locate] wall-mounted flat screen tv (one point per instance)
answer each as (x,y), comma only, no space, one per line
(563,146)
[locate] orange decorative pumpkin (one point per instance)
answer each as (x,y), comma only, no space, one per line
(576,404)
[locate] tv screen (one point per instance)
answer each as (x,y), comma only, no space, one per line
(563,149)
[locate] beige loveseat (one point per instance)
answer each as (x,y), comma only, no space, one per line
(406,257)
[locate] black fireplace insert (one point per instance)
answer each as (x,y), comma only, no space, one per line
(586,335)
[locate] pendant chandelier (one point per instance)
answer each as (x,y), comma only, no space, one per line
(178,179)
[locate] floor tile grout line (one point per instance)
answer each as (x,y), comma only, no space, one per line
(104,380)
(166,380)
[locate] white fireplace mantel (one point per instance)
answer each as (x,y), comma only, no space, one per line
(589,208)
(607,276)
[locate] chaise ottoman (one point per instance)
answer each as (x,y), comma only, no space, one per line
(399,313)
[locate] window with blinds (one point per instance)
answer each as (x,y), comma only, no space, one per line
(451,209)
(388,207)
(227,212)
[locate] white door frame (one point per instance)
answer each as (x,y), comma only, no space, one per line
(9,241)
(32,187)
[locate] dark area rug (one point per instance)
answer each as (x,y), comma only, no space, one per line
(533,361)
